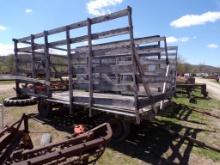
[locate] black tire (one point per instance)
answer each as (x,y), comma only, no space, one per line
(19,101)
(44,108)
(120,128)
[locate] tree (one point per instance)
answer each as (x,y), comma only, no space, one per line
(180,64)
(10,64)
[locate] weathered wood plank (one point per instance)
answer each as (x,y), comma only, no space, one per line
(112,69)
(80,24)
(115,111)
(118,47)
(22,78)
(150,51)
(148,101)
(90,66)
(105,69)
(47,62)
(134,67)
(110,33)
(33,60)
(33,57)
(102,87)
(99,98)
(154,79)
(120,50)
(16,64)
(40,45)
(95,36)
(123,43)
(25,61)
(109,17)
(70,69)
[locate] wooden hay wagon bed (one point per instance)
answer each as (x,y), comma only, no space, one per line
(98,66)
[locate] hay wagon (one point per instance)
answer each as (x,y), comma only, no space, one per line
(98,66)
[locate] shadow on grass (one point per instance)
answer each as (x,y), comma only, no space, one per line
(154,145)
(148,142)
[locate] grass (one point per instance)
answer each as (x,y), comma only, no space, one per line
(2,98)
(173,117)
(6,82)
(201,103)
(207,153)
(109,157)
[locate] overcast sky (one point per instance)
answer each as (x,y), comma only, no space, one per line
(191,24)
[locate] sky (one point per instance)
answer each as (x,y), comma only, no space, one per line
(192,25)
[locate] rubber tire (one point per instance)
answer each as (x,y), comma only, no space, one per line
(44,108)
(122,128)
(23,101)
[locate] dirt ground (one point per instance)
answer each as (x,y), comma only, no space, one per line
(212,86)
(149,145)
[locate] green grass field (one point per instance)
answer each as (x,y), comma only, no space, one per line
(151,145)
(6,82)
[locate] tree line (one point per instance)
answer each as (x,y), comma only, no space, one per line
(7,66)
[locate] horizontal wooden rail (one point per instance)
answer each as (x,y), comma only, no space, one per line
(123,43)
(80,24)
(95,36)
(22,78)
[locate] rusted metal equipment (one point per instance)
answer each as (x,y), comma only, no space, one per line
(189,88)
(16,146)
(187,84)
(109,71)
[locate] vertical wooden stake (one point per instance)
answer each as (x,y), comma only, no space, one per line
(167,73)
(175,74)
(158,67)
(26,126)
(2,115)
(47,58)
(90,67)
(117,74)
(135,85)
(70,69)
(16,66)
(33,60)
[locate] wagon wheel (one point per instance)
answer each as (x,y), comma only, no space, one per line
(121,129)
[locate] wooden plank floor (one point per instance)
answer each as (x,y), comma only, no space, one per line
(79,93)
(103,99)
(112,103)
(119,102)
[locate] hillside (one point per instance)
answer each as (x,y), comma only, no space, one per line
(7,65)
(201,68)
